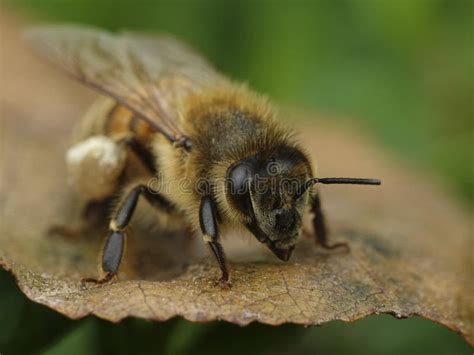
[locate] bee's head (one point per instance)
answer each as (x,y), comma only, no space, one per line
(265,189)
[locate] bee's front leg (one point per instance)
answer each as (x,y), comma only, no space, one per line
(319,225)
(209,228)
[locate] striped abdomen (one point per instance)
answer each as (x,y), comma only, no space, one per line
(106,117)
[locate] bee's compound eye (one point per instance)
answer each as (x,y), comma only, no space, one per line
(238,179)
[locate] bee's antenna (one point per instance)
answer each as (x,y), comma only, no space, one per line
(352,181)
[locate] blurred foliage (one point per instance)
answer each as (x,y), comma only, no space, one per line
(404,69)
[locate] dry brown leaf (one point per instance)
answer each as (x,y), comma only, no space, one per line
(411,250)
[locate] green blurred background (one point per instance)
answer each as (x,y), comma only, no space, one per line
(404,70)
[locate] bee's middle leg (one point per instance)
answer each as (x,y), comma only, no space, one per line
(114,245)
(319,225)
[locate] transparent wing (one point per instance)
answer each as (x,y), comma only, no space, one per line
(144,72)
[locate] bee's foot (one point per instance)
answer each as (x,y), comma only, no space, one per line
(223,283)
(63,231)
(343,246)
(90,280)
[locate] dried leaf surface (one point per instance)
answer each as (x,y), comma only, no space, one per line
(411,248)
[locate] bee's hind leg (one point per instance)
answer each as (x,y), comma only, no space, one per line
(114,246)
(92,216)
(95,166)
(319,225)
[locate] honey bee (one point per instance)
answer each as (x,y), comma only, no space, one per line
(167,107)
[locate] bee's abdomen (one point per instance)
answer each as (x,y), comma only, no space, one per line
(108,118)
(120,121)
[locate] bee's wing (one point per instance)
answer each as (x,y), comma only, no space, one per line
(142,72)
